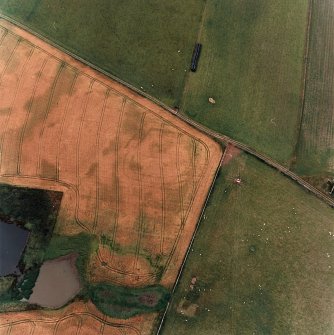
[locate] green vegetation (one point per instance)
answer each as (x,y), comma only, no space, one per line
(315,154)
(25,205)
(28,282)
(36,210)
(138,41)
(5,284)
(262,258)
(82,244)
(252,65)
(156,261)
(124,302)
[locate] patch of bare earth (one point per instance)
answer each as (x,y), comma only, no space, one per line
(230,152)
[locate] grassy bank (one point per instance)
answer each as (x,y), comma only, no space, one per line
(262,259)
(124,302)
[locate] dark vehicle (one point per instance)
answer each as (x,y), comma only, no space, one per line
(195,57)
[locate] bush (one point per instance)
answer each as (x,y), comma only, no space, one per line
(28,282)
(125,302)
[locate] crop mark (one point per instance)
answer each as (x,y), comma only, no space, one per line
(90,89)
(140,184)
(176,241)
(125,273)
(47,111)
(163,192)
(3,35)
(78,315)
(103,325)
(19,83)
(62,125)
(9,329)
(117,183)
(97,207)
(184,212)
(179,178)
(9,59)
(24,127)
(193,163)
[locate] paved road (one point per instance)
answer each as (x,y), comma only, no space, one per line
(219,137)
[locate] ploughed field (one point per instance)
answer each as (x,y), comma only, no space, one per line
(132,174)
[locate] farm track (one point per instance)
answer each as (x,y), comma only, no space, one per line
(221,138)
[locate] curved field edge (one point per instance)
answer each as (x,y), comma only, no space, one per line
(262,259)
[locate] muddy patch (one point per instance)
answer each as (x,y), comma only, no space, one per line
(230,153)
(58,282)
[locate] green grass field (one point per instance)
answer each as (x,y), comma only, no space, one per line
(262,258)
(252,65)
(315,154)
(137,41)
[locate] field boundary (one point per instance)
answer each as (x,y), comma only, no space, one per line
(303,81)
(192,241)
(213,134)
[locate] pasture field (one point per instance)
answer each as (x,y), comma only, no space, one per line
(138,41)
(262,259)
(315,154)
(133,175)
(252,66)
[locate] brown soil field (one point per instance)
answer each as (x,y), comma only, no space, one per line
(129,170)
(77,318)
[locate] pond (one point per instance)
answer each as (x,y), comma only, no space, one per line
(13,240)
(58,282)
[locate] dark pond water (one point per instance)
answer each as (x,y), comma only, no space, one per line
(12,242)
